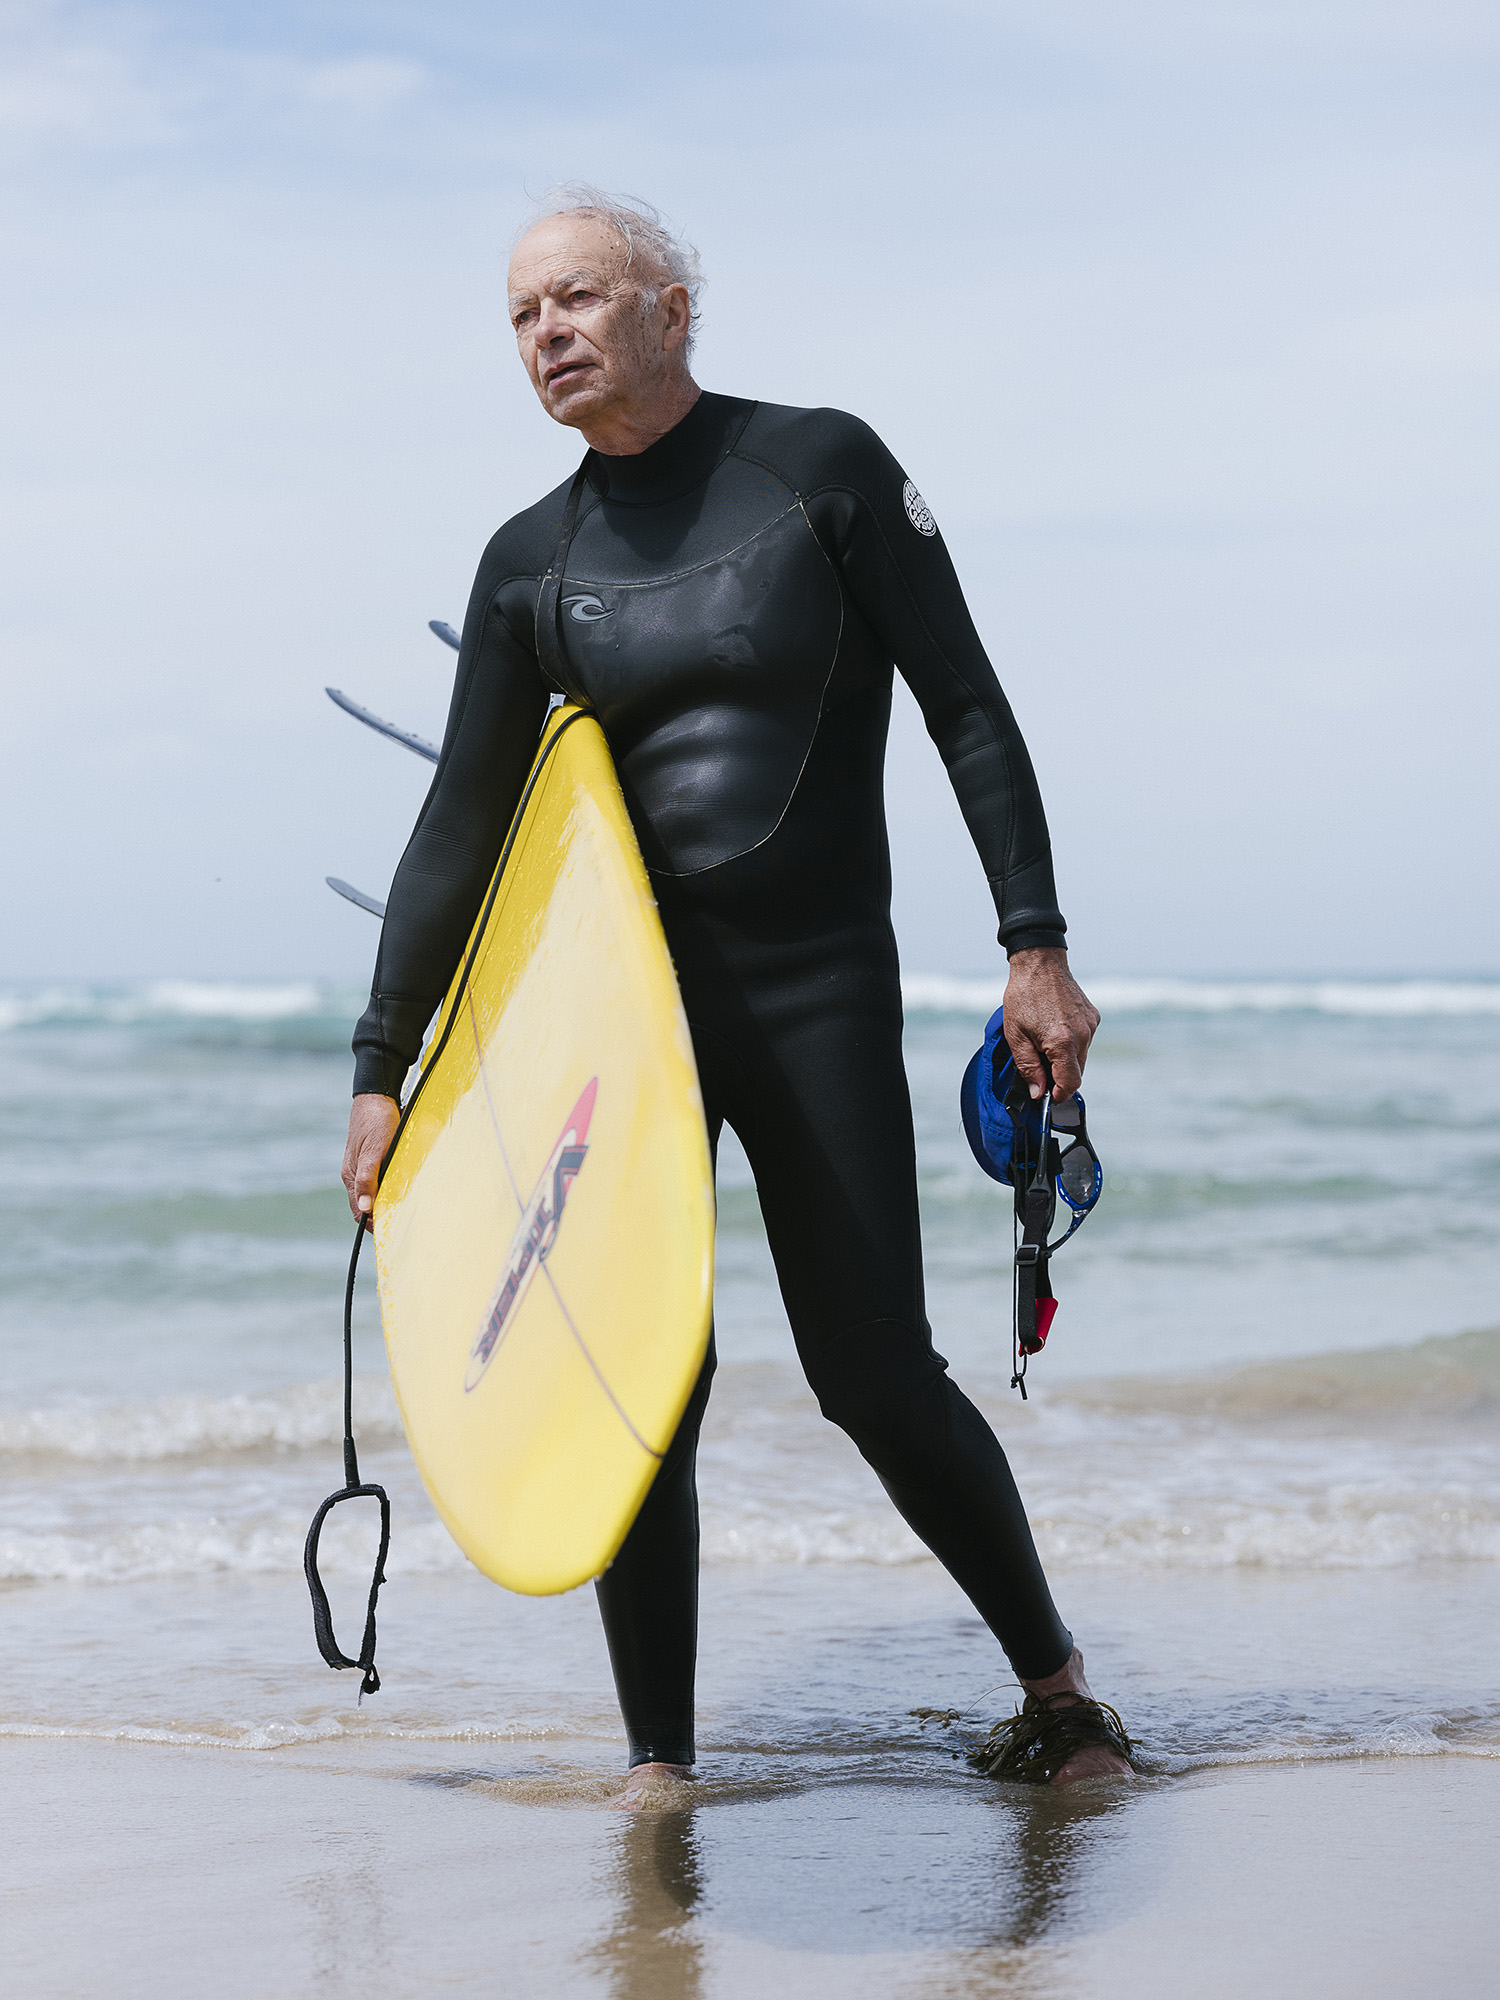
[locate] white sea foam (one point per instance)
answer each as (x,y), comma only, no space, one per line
(807,1535)
(1113,1528)
(1351,1529)
(208,1000)
(352,1725)
(1360,1461)
(937,993)
(923,992)
(1415,1736)
(194,1547)
(172,999)
(302,1417)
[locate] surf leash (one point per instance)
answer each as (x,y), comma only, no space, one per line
(1041,1150)
(353,1489)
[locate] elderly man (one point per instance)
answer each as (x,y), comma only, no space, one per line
(737,579)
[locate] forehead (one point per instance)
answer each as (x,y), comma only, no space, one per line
(560,245)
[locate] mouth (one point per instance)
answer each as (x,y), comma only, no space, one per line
(566,371)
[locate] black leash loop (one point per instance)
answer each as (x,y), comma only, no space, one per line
(353,1489)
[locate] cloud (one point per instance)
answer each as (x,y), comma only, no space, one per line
(87,95)
(364,83)
(85,82)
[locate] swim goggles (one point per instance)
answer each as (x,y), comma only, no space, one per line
(1042,1151)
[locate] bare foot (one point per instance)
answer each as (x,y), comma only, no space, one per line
(1091,1760)
(644,1786)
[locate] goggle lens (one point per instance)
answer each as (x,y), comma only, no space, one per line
(1080,1176)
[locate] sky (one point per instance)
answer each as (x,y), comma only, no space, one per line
(1183,316)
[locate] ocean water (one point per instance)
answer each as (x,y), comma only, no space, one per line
(1259,1451)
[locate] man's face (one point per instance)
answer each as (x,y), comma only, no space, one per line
(588,347)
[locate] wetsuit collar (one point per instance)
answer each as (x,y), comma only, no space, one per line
(677,462)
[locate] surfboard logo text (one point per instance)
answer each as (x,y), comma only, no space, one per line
(535,1235)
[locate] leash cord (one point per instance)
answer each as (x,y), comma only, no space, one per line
(352,1489)
(1018,1360)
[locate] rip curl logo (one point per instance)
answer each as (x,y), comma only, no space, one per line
(917,510)
(588,610)
(535,1235)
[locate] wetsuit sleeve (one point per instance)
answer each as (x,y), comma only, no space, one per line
(499,704)
(901,579)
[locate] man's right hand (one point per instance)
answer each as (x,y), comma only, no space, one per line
(372,1125)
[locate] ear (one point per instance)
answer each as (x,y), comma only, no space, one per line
(677,317)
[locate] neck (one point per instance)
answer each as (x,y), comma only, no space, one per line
(623,433)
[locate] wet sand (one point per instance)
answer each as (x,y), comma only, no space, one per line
(149,1870)
(1303,1830)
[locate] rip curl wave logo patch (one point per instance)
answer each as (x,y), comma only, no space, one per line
(535,1235)
(917,510)
(588,610)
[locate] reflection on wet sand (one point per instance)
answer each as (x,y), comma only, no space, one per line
(347,1940)
(977,1873)
(654,1950)
(1057,1835)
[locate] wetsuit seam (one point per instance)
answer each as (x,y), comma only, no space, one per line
(920,1331)
(685,874)
(681,575)
(452,840)
(777,472)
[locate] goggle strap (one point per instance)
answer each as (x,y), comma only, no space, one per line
(1033,1281)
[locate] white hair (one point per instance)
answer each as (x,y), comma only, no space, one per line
(646,237)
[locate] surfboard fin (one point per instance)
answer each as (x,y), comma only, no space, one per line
(352,895)
(381,727)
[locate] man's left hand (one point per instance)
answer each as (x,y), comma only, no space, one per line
(1048,1019)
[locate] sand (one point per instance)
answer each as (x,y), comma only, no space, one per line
(1319,1822)
(160,1871)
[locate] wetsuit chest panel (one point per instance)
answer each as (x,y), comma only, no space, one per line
(732,604)
(708,676)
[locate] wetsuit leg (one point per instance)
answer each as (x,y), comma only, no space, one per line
(649,1601)
(648,1597)
(819,1097)
(826,1122)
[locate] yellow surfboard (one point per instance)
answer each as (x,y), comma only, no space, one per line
(544,1227)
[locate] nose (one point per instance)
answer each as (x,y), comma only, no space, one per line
(551,324)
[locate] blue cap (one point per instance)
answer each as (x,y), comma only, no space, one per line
(992,1097)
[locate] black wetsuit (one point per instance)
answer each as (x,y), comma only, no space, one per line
(732,603)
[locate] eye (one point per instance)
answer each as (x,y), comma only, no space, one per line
(581,297)
(523,318)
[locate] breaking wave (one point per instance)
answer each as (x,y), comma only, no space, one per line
(193,1547)
(936,993)
(251,1001)
(1451,1375)
(169,999)
(1360,1461)
(176,1427)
